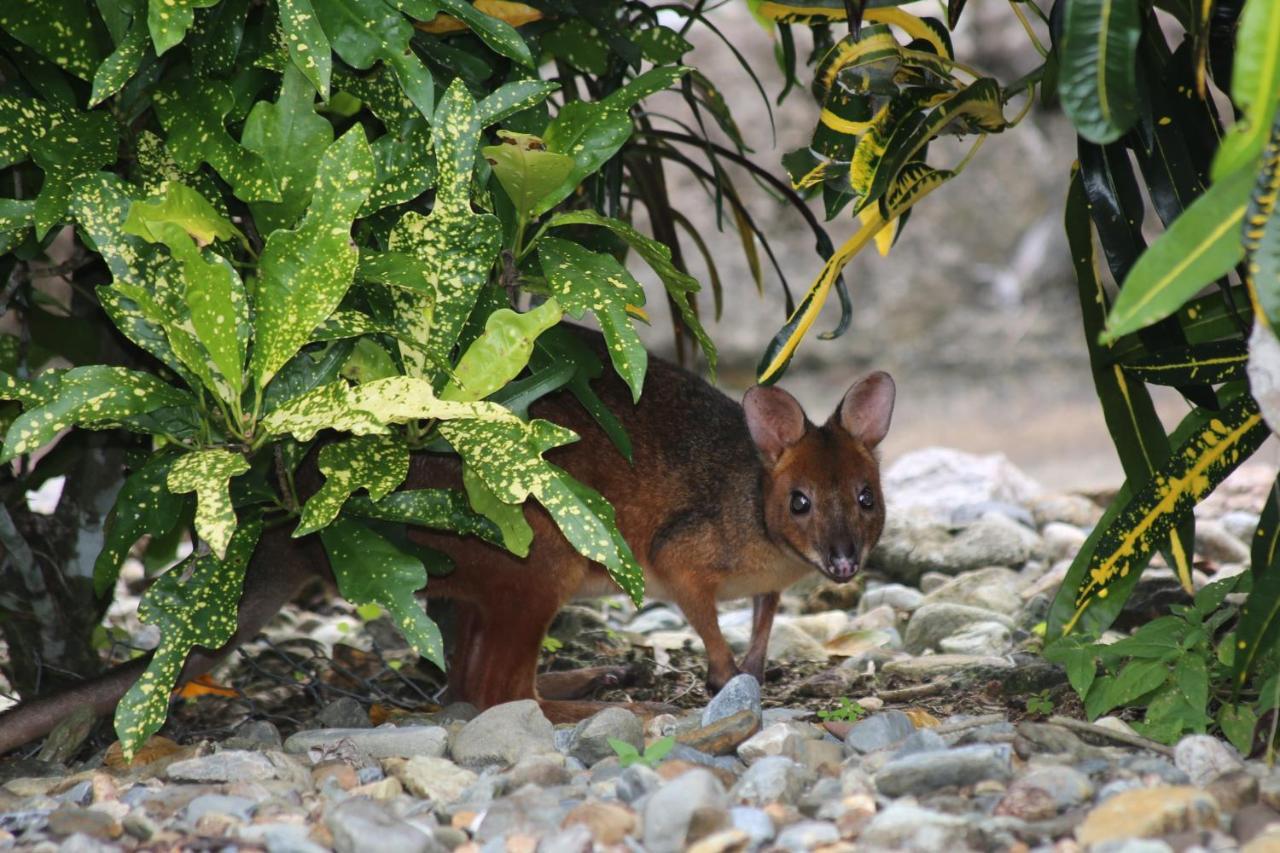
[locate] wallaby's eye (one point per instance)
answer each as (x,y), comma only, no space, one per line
(800,503)
(866,500)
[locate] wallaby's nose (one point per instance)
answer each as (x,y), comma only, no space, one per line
(843,562)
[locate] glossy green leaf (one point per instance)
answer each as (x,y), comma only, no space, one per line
(680,286)
(375,463)
(193,604)
(184,207)
(584,281)
(292,138)
(501,351)
(1259,627)
(404,166)
(1238,723)
(517,535)
(371,570)
(1201,245)
(304,273)
(70,152)
(169,20)
(61,31)
(1213,362)
(500,36)
(662,45)
(124,61)
(455,246)
(309,48)
(91,396)
(439,509)
(1255,82)
(592,132)
(143,507)
(364,32)
(208,473)
(1097,78)
(526,169)
(193,116)
(1262,231)
(580,45)
(559,348)
(511,98)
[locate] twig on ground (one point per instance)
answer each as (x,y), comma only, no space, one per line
(918,691)
(1111,734)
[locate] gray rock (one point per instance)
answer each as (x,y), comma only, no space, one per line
(754,822)
(590,739)
(778,739)
(1076,510)
(969,513)
(922,772)
(1241,524)
(233,765)
(879,731)
(808,834)
(695,798)
(991,588)
(502,735)
(576,838)
(936,480)
(436,779)
(656,619)
(1215,542)
(936,666)
(359,825)
(382,742)
(1062,541)
(742,693)
(910,547)
(1203,757)
(895,595)
(993,541)
(906,826)
(933,623)
(921,740)
(255,734)
(929,581)
(1159,768)
(772,779)
(980,638)
(1132,845)
(1067,786)
(343,713)
(529,811)
(637,781)
(278,837)
(237,807)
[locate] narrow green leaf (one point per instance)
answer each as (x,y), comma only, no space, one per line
(118,68)
(1212,362)
(1097,79)
(1262,231)
(517,535)
(208,473)
(371,570)
(1201,245)
(143,506)
(308,46)
(169,21)
(304,273)
(1255,82)
(439,509)
(496,33)
(193,604)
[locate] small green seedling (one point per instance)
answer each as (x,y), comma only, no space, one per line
(551,645)
(848,712)
(1040,703)
(651,757)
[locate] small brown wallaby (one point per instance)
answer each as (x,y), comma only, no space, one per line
(721,501)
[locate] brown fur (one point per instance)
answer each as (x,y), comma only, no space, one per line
(705,506)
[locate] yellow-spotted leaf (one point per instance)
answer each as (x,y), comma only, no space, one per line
(94,396)
(507,455)
(1259,627)
(517,535)
(124,61)
(144,506)
(180,205)
(307,44)
(377,464)
(370,408)
(194,116)
(1212,362)
(439,509)
(584,281)
(370,569)
(1216,442)
(680,286)
(1255,86)
(1201,245)
(193,604)
(455,246)
(511,98)
(1262,232)
(208,473)
(500,352)
(62,31)
(1097,78)
(304,273)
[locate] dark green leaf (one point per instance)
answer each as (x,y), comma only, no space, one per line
(1097,77)
(143,507)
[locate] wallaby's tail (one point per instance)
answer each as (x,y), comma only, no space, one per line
(279,567)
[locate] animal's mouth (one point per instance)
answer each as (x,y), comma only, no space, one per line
(840,570)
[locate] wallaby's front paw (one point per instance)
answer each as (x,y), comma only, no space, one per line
(717,679)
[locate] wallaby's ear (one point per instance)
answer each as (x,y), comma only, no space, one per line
(774,418)
(867,408)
